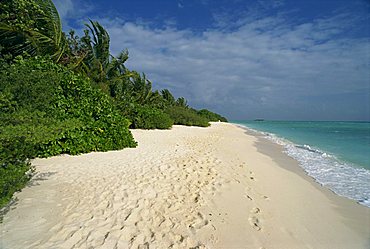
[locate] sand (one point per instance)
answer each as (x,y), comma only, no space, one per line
(189,187)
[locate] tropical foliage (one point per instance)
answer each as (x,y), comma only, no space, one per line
(49,110)
(146,117)
(186,116)
(67,94)
(31,27)
(211,116)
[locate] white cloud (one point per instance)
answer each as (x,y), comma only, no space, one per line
(65,7)
(71,11)
(263,66)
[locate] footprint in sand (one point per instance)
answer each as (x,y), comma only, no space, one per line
(255,210)
(199,222)
(248,197)
(255,223)
(254,220)
(251,176)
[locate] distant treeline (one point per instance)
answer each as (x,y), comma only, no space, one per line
(60,93)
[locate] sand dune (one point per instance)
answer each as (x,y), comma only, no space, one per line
(182,188)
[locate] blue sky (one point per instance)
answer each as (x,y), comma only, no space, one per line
(272,59)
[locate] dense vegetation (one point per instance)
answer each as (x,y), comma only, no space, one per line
(67,94)
(47,110)
(186,116)
(211,116)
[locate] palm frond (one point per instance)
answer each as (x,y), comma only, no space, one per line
(46,37)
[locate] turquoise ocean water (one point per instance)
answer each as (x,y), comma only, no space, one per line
(335,154)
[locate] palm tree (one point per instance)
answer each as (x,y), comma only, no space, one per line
(142,90)
(97,62)
(168,97)
(98,56)
(31,26)
(182,102)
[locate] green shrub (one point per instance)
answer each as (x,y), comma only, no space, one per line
(211,116)
(146,117)
(52,111)
(186,116)
(15,169)
(14,176)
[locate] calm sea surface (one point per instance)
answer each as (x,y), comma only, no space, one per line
(336,154)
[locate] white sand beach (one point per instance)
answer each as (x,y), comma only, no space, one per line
(188,187)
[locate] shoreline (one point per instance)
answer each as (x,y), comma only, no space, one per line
(276,152)
(324,167)
(216,187)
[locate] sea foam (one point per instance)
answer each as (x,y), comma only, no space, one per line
(342,178)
